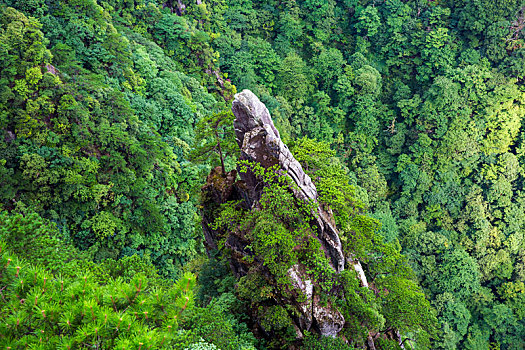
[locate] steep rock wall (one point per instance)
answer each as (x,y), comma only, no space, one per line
(259,141)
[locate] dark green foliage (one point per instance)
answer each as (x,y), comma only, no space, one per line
(218,323)
(277,228)
(423,118)
(421,100)
(39,243)
(215,138)
(84,151)
(312,342)
(215,278)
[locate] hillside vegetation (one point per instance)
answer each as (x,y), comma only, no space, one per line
(111,114)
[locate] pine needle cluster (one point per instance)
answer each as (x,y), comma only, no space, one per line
(40,310)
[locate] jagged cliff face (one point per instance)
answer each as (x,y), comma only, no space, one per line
(308,305)
(259,142)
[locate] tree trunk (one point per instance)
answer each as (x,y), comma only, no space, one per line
(220,153)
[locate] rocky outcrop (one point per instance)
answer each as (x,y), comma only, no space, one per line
(259,141)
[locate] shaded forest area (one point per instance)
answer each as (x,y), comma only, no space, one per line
(110,116)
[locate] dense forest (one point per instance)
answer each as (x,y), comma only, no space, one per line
(116,118)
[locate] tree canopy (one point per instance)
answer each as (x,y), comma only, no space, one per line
(113,112)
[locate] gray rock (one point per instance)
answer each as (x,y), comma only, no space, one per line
(260,142)
(329,320)
(306,287)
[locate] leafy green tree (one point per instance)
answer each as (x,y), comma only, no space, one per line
(329,66)
(214,135)
(369,21)
(455,318)
(293,82)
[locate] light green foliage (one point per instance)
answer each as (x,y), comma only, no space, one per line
(39,242)
(104,224)
(360,308)
(219,324)
(201,346)
(455,317)
(117,303)
(76,311)
(369,21)
(329,66)
(293,82)
(277,231)
(459,274)
(330,177)
(402,301)
(279,236)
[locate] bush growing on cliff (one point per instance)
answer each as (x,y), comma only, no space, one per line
(279,235)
